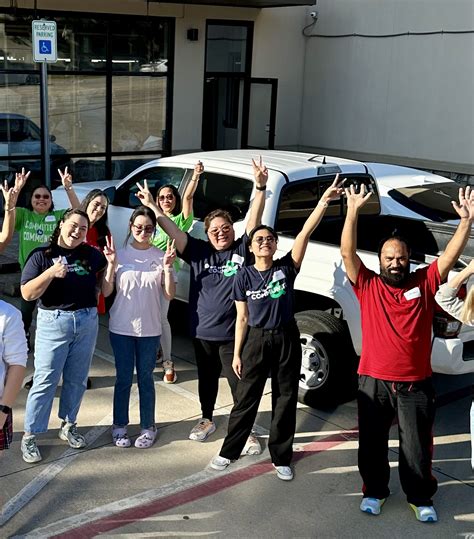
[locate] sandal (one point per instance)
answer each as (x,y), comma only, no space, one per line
(120,437)
(146,438)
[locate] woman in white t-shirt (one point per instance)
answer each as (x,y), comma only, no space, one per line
(138,271)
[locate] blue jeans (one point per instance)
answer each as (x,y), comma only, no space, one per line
(64,345)
(130,352)
(472,434)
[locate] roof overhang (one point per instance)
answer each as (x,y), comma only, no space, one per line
(243,3)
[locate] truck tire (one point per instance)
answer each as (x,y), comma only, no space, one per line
(328,370)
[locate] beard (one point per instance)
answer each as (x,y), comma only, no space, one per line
(396,280)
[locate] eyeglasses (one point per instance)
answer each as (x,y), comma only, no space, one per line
(215,231)
(148,229)
(261,239)
(38,196)
(166,197)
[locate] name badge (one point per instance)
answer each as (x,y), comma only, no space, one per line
(50,219)
(237,259)
(278,276)
(412,294)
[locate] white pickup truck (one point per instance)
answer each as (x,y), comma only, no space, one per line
(415,203)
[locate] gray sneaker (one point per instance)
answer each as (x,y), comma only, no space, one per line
(252,446)
(203,429)
(68,433)
(29,449)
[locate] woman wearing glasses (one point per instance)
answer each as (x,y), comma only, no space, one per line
(138,272)
(267,341)
(181,213)
(213,267)
(35,224)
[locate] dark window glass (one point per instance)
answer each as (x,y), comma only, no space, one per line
(219,191)
(141,47)
(16,50)
(226,48)
(126,193)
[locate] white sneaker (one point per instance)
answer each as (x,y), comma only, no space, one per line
(203,429)
(373,506)
(285,473)
(29,449)
(425,513)
(219,463)
(252,446)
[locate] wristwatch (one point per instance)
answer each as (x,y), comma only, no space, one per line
(5,409)
(261,188)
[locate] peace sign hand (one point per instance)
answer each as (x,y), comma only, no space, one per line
(109,250)
(144,194)
(66,178)
(170,254)
(10,195)
(260,173)
(198,170)
(20,179)
(334,191)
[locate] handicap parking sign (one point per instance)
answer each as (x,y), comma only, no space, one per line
(45,46)
(44,35)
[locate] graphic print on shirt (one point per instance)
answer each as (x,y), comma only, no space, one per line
(229,269)
(275,288)
(77,266)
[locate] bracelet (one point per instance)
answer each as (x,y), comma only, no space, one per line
(68,188)
(168,270)
(262,188)
(194,180)
(322,203)
(10,209)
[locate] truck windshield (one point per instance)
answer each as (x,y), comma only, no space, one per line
(433,201)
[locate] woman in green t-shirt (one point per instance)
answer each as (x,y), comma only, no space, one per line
(181,213)
(35,224)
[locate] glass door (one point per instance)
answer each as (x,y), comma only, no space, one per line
(258,129)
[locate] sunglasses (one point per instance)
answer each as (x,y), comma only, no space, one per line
(223,228)
(261,239)
(166,197)
(38,196)
(148,229)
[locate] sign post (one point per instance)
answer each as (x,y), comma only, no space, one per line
(44,40)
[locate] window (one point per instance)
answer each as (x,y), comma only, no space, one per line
(155,177)
(218,191)
(299,199)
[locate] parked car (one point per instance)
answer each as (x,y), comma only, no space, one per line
(21,136)
(327,310)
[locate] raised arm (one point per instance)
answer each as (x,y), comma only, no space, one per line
(465,210)
(260,173)
(10,196)
(298,251)
(66,180)
(188,194)
(355,201)
(20,179)
(240,332)
(170,228)
(169,284)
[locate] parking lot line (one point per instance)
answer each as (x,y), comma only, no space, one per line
(192,488)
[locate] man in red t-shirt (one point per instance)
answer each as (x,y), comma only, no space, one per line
(397,308)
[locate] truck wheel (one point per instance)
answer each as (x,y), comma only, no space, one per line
(328,369)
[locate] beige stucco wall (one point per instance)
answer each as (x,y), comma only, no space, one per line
(407,99)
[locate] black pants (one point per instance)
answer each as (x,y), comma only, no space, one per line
(212,358)
(267,351)
(27,308)
(379,402)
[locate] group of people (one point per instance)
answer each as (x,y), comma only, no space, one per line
(241,307)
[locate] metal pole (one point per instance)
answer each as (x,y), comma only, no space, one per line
(45,124)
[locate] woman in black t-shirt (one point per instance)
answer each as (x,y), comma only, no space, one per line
(267,341)
(65,277)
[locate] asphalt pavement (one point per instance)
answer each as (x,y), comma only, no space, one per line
(170,491)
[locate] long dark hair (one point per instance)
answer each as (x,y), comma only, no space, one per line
(53,241)
(101,225)
(178,204)
(141,210)
(29,206)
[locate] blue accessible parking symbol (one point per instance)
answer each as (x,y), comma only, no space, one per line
(45,46)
